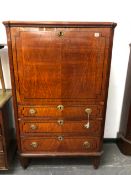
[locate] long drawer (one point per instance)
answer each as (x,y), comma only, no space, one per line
(60,111)
(59,144)
(91,127)
(61,126)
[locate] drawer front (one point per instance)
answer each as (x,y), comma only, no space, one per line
(1,145)
(60,111)
(60,144)
(2,161)
(61,126)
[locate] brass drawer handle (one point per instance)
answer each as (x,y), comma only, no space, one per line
(34,144)
(32,111)
(60,107)
(88,111)
(33,127)
(60,34)
(86,145)
(60,122)
(60,138)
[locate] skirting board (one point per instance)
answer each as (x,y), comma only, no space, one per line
(110,140)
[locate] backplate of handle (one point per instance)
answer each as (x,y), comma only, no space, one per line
(34,144)
(32,111)
(33,126)
(86,145)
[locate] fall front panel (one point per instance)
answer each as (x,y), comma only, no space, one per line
(49,66)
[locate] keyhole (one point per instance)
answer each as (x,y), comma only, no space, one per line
(60,107)
(60,33)
(60,138)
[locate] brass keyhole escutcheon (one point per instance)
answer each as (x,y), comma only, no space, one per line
(60,107)
(86,145)
(60,34)
(60,122)
(32,111)
(60,138)
(34,144)
(33,126)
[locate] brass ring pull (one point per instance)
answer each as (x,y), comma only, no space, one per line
(34,144)
(60,138)
(60,122)
(33,126)
(32,111)
(88,111)
(60,34)
(86,145)
(60,107)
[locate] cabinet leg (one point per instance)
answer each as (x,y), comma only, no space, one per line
(24,161)
(96,162)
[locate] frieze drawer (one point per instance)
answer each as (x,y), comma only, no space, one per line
(61,111)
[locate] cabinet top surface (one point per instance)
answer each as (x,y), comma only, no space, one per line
(59,23)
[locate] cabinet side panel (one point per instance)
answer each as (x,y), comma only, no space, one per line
(13,83)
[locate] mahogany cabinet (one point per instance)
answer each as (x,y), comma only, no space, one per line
(60,75)
(124,134)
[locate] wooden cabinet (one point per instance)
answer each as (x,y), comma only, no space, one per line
(7,142)
(60,74)
(124,134)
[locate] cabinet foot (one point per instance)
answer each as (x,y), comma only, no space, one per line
(24,161)
(96,162)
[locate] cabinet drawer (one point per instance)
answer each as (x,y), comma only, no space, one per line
(61,126)
(68,112)
(60,144)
